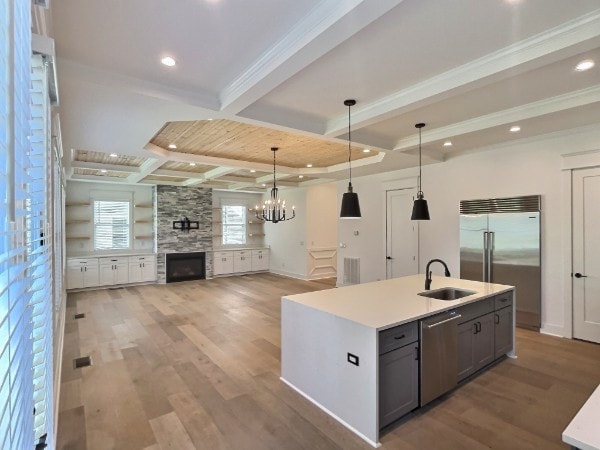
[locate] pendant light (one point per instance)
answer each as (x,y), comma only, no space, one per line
(273,210)
(350,205)
(420,210)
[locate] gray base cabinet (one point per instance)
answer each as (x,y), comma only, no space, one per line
(398,372)
(503,333)
(475,345)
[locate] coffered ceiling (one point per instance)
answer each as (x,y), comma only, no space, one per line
(254,75)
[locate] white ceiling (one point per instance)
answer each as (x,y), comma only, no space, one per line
(467,68)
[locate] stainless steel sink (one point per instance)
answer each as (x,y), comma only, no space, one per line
(447,293)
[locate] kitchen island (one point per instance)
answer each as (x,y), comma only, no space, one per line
(355,350)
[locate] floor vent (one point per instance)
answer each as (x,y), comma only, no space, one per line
(84,361)
(79,316)
(351,271)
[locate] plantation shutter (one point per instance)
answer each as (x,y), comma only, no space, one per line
(234,224)
(16,387)
(111,225)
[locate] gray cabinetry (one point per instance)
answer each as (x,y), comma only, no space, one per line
(485,334)
(475,345)
(503,331)
(398,372)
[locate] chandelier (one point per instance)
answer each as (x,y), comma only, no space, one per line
(273,209)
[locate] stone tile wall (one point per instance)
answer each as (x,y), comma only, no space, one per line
(173,203)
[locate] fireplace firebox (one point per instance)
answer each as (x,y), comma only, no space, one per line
(185,266)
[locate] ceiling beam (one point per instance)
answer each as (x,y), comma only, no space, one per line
(102,166)
(325,27)
(147,168)
(550,105)
(568,39)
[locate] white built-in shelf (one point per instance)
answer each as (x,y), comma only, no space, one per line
(256,222)
(142,221)
(219,208)
(144,237)
(217,222)
(69,222)
(143,205)
(217,235)
(77,238)
(78,204)
(256,234)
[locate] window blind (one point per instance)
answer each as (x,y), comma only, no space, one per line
(111,225)
(16,362)
(39,251)
(234,224)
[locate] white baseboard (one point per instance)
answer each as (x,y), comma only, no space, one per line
(553,330)
(289,274)
(321,407)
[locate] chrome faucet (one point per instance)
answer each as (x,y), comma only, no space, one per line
(428,273)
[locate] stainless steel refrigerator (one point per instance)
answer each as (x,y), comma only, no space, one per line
(500,243)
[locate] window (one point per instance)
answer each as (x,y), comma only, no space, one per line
(111,225)
(234,224)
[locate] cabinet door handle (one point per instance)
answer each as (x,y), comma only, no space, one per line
(496,319)
(85,269)
(81,269)
(479,326)
(416,353)
(475,328)
(400,337)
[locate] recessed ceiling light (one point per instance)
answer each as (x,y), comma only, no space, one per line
(252,171)
(172,146)
(192,164)
(113,155)
(448,144)
(584,65)
(103,170)
(301,176)
(309,165)
(515,129)
(209,119)
(168,61)
(263,185)
(367,150)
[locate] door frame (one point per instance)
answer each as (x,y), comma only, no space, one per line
(570,163)
(409,183)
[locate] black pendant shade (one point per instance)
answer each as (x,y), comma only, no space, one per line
(350,205)
(420,209)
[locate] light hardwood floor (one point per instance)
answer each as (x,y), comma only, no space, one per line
(196,365)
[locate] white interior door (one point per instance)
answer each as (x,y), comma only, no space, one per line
(401,235)
(586,254)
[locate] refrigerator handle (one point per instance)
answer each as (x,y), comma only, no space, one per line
(485,256)
(491,244)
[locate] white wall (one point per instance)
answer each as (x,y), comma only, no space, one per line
(305,247)
(525,168)
(287,240)
(80,192)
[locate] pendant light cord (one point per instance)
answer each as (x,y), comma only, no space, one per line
(420,160)
(349,145)
(274,178)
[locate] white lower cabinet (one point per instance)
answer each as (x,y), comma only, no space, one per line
(242,260)
(227,262)
(260,260)
(222,263)
(82,273)
(142,268)
(114,271)
(109,271)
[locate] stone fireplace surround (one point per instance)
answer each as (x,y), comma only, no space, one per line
(173,203)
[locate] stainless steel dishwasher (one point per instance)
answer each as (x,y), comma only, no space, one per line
(439,355)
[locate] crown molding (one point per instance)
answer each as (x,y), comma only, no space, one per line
(506,62)
(316,34)
(530,110)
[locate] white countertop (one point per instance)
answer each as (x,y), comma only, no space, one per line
(109,255)
(384,304)
(583,431)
